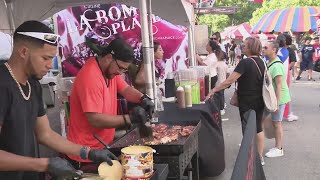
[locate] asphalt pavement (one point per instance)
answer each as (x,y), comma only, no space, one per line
(301,141)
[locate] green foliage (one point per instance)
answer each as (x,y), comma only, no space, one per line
(219,22)
(271,5)
(243,14)
(214,22)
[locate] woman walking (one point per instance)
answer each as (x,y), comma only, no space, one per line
(249,90)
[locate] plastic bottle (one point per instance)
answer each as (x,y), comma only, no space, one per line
(63,122)
(180,97)
(159,100)
(206,84)
(188,96)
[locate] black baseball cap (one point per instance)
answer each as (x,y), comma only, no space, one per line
(120,50)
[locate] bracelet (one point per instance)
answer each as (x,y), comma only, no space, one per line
(83,152)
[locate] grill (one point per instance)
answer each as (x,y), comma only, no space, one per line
(180,155)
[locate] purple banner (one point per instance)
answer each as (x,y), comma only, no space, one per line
(101,23)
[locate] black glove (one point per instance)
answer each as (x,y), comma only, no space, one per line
(61,168)
(138,115)
(101,155)
(148,105)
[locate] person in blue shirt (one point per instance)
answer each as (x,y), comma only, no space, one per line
(306,63)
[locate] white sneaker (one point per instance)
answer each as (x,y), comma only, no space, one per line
(225,105)
(262,161)
(292,117)
(222,112)
(274,152)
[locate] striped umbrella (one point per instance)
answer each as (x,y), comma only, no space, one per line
(298,19)
(238,32)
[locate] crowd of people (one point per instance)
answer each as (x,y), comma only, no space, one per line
(281,57)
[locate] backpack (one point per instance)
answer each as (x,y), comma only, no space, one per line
(268,92)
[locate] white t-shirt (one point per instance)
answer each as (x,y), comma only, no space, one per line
(238,51)
(222,70)
(223,48)
(211,61)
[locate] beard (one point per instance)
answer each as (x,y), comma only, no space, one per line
(32,71)
(107,74)
(35,77)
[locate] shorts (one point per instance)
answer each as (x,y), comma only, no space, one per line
(255,103)
(214,80)
(221,99)
(278,115)
(306,65)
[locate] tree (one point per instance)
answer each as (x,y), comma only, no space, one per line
(220,22)
(215,22)
(271,5)
(243,14)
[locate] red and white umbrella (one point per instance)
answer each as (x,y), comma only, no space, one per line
(227,30)
(241,31)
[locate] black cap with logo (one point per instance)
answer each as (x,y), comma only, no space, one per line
(120,50)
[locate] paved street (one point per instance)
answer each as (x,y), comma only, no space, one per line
(301,138)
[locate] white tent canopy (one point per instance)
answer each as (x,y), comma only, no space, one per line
(15,12)
(5,44)
(4,25)
(22,10)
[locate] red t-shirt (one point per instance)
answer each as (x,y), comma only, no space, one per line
(316,54)
(91,94)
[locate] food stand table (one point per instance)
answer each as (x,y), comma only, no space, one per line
(203,156)
(211,142)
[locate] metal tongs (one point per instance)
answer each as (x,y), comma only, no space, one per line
(101,141)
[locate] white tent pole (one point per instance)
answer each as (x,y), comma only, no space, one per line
(191,44)
(146,48)
(10,16)
(151,52)
(191,51)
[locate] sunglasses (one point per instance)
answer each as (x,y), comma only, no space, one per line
(122,69)
(47,37)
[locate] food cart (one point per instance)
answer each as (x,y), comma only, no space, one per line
(184,157)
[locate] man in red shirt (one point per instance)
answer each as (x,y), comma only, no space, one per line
(316,46)
(93,101)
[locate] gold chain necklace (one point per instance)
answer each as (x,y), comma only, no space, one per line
(14,78)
